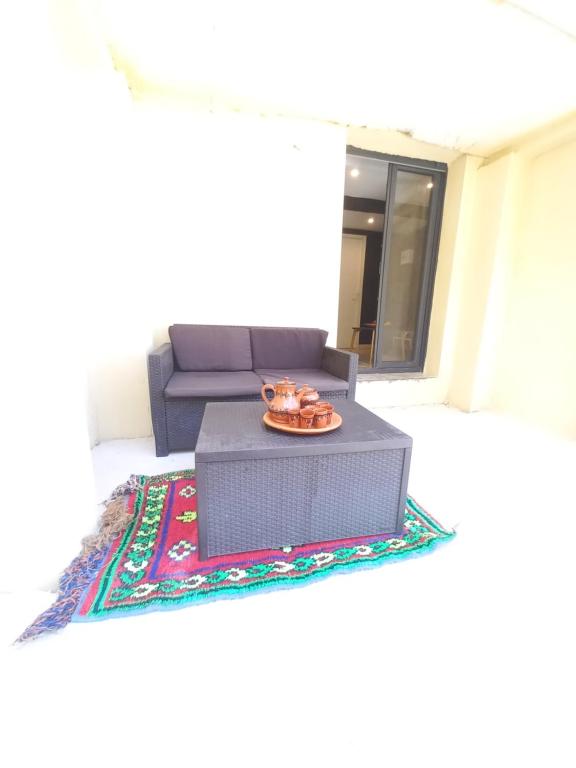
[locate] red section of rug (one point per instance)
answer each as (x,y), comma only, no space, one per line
(156,563)
(153,563)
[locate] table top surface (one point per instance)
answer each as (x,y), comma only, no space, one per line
(233,431)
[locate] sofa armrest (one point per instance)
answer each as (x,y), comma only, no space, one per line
(160,367)
(344,365)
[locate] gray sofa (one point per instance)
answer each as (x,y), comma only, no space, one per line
(214,363)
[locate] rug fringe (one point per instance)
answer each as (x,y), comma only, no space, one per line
(113,521)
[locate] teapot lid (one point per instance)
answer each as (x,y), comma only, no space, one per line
(286,380)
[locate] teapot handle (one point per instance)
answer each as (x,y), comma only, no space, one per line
(265,388)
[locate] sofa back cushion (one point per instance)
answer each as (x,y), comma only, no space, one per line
(211,347)
(287,347)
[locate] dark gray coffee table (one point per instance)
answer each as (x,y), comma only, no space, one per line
(263,489)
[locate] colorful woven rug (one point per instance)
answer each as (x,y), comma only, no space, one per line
(145,557)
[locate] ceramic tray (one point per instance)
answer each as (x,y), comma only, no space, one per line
(269,421)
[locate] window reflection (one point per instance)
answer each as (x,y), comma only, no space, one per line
(394,300)
(362,233)
(410,214)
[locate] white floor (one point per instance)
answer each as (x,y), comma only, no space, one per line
(463,658)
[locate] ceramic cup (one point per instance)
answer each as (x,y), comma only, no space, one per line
(320,418)
(306,418)
(328,407)
(294,417)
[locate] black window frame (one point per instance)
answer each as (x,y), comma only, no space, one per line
(439,172)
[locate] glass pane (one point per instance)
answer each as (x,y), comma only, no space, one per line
(362,233)
(409,216)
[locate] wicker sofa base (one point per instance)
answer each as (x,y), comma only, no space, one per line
(184,419)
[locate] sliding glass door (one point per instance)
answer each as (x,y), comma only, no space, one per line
(390,233)
(408,266)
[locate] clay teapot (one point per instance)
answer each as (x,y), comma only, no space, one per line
(309,397)
(286,398)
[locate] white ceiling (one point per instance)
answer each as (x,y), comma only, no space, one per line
(467,74)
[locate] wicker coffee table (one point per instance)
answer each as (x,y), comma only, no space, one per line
(263,489)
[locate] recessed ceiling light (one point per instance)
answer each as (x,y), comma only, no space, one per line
(354,172)
(371,220)
(429,185)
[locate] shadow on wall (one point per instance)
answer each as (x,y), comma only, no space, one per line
(120,402)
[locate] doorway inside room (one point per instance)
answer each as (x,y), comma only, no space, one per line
(390,233)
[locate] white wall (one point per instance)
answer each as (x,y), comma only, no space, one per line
(215,219)
(53,177)
(535,378)
(484,283)
(515,346)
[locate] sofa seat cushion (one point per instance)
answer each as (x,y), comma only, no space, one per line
(211,347)
(281,348)
(213,384)
(314,377)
